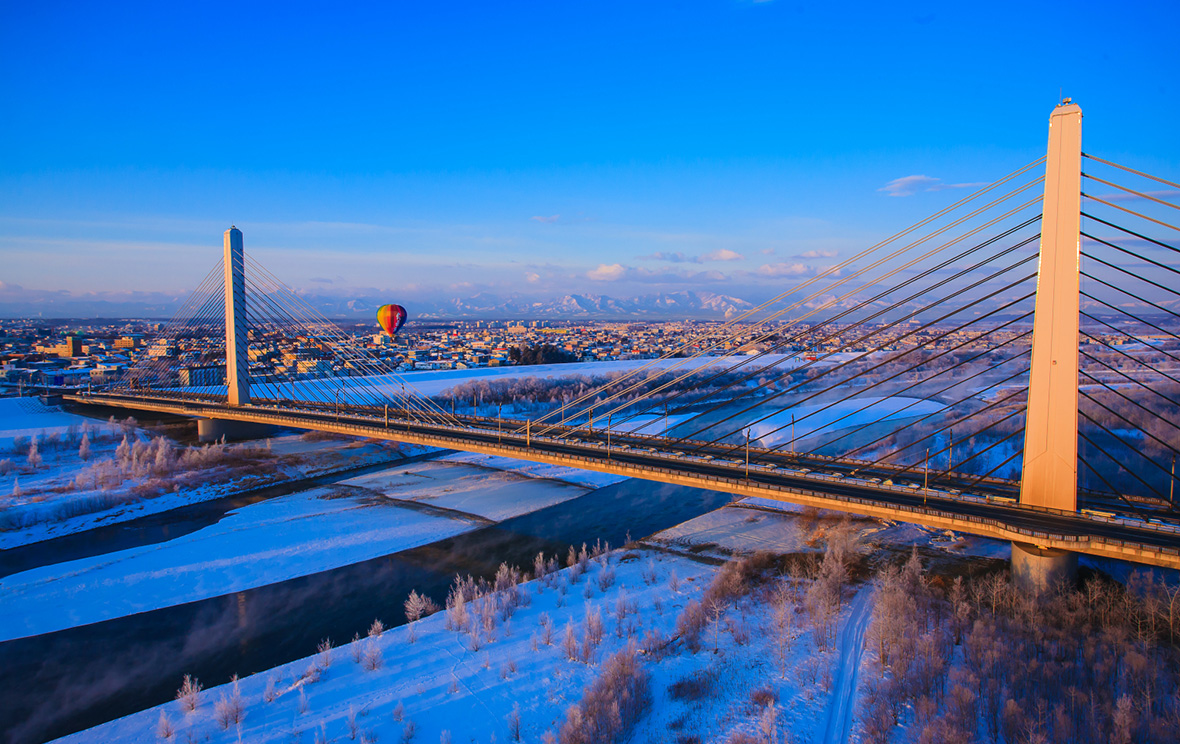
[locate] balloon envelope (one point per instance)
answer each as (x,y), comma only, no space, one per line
(391,318)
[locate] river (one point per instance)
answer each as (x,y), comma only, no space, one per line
(58,683)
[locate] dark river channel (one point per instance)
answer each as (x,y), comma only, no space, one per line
(59,683)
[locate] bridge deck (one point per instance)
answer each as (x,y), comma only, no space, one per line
(988,511)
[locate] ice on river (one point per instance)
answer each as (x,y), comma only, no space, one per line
(263,543)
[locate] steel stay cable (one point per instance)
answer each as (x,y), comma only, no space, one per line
(179,321)
(920,363)
(954,383)
(840,331)
(1131,191)
(826,289)
(1113,491)
(859,340)
(970,396)
(274,293)
(1010,458)
(1128,232)
(1140,383)
(1130,252)
(952,424)
(1132,170)
(1134,425)
(1161,223)
(1132,401)
(277,324)
(829,271)
(420,403)
(1123,353)
(992,425)
(1132,275)
(1130,294)
(300,313)
(893,341)
(1130,315)
(1110,457)
(149,368)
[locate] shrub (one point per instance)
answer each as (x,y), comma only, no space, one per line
(230,710)
(189,694)
(691,624)
(613,703)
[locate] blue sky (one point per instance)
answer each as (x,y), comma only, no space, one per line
(433,150)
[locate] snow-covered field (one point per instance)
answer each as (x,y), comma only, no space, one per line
(271,541)
(434,382)
(28,417)
(52,504)
(441,688)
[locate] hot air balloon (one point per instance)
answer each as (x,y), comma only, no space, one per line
(391,318)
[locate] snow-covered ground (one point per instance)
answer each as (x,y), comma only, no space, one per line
(271,541)
(28,417)
(434,382)
(52,504)
(440,683)
(818,419)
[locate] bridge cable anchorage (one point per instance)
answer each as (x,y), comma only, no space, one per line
(843,279)
(788,341)
(826,273)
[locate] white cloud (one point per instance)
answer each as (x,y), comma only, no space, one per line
(723,254)
(767,251)
(676,257)
(607,273)
(784,269)
(532,277)
(910,185)
(551,218)
(818,254)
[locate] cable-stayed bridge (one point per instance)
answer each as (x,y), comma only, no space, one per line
(1006,367)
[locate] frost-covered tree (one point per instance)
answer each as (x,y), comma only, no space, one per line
(34,454)
(84,447)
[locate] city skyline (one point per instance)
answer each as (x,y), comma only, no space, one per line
(429,155)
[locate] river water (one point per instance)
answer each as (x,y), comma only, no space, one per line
(62,682)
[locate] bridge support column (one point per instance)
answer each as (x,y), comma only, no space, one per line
(1050,473)
(1036,570)
(237,361)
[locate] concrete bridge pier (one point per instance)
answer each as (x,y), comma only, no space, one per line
(1036,570)
(212,430)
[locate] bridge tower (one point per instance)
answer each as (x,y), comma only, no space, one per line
(1050,474)
(237,363)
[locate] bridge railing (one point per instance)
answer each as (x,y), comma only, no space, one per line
(374,425)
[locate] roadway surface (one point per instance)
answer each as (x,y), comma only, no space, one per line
(991,499)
